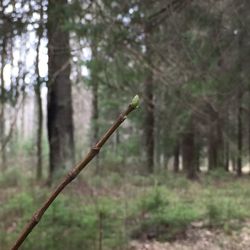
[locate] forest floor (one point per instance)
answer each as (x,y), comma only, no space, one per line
(199,238)
(121,210)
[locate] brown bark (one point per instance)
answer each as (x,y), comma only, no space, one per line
(227,156)
(249,136)
(197,157)
(39,132)
(149,121)
(215,142)
(176,158)
(2,111)
(239,136)
(227,142)
(73,174)
(39,104)
(188,150)
(95,101)
(60,114)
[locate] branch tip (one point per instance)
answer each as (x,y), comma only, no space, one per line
(135,102)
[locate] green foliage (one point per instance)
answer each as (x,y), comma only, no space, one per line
(8,179)
(11,178)
(218,174)
(70,222)
(119,154)
(121,206)
(164,218)
(26,147)
(154,201)
(224,213)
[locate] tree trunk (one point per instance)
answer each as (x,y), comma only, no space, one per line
(212,149)
(249,136)
(227,142)
(234,163)
(215,143)
(149,121)
(95,100)
(39,106)
(197,157)
(227,156)
(177,158)
(239,136)
(2,111)
(188,150)
(39,133)
(60,114)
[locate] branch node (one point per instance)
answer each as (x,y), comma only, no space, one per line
(96,149)
(72,174)
(36,218)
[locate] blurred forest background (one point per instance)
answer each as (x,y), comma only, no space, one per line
(68,68)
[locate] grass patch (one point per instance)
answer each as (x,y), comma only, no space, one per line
(110,211)
(164,216)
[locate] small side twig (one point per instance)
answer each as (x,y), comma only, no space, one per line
(73,174)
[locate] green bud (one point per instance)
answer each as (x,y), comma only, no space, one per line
(135,101)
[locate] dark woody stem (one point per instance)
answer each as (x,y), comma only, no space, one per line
(73,174)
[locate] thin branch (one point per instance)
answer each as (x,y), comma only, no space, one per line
(174,6)
(12,126)
(73,173)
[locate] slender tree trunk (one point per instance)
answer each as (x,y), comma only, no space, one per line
(240,91)
(116,142)
(234,163)
(39,133)
(188,150)
(227,143)
(212,149)
(39,106)
(248,128)
(197,157)
(95,100)
(149,121)
(227,156)
(239,136)
(60,114)
(2,111)
(177,158)
(117,138)
(13,90)
(22,130)
(215,143)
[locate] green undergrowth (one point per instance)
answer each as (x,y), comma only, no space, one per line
(112,209)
